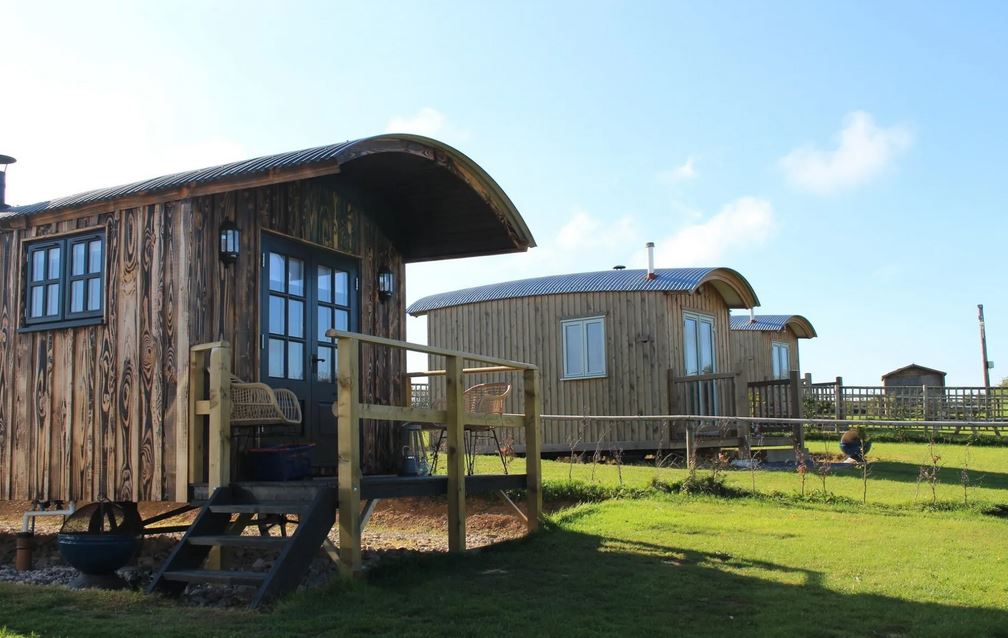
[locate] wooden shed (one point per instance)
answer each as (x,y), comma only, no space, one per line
(615,342)
(914,376)
(765,348)
(103,293)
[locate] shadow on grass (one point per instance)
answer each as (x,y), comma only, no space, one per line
(556,583)
(947,475)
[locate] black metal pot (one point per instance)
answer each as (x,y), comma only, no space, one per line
(98,539)
(97,555)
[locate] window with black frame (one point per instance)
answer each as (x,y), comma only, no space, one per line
(65,281)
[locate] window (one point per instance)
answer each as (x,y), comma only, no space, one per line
(65,281)
(781,360)
(583,348)
(698,343)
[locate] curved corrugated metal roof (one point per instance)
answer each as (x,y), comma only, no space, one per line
(732,286)
(198,177)
(801,326)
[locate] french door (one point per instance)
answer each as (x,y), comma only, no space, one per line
(698,344)
(305,291)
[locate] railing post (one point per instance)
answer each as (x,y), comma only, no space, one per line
(455,406)
(348,440)
(194,448)
(220,417)
(533,448)
(796,410)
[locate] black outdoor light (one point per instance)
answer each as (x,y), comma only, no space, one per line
(386,283)
(229,237)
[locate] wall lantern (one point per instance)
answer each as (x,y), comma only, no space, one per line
(229,237)
(386,283)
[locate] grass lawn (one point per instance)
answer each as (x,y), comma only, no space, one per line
(893,474)
(658,565)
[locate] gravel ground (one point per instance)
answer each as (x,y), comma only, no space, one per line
(397,528)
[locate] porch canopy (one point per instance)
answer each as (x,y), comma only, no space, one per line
(434,202)
(801,326)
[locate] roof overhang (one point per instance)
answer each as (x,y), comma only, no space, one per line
(732,286)
(801,326)
(432,200)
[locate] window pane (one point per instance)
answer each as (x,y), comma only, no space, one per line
(38,265)
(52,299)
(277,321)
(295,318)
(776,362)
(324,284)
(342,320)
(324,322)
(77,292)
(573,344)
(325,364)
(78,258)
(95,256)
(276,272)
(295,276)
(275,358)
(690,346)
(341,292)
(295,360)
(596,347)
(54,263)
(94,299)
(706,347)
(37,294)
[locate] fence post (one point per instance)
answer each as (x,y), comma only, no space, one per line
(796,410)
(924,412)
(838,399)
(220,417)
(348,441)
(454,402)
(533,448)
(691,445)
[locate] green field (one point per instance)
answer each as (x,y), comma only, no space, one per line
(660,564)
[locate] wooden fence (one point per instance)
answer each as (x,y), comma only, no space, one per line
(703,394)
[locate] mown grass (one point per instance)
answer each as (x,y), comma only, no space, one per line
(651,562)
(893,475)
(668,565)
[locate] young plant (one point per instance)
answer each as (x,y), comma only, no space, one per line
(964,478)
(865,471)
(929,472)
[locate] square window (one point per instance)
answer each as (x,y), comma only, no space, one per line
(584,348)
(64,292)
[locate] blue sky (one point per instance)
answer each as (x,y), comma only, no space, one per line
(847,158)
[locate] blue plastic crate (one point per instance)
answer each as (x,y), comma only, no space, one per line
(281,463)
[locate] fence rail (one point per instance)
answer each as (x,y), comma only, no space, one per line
(907,403)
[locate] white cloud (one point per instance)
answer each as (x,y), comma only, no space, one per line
(682,173)
(743,223)
(427,121)
(863,151)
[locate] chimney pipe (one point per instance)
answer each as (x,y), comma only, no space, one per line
(4,161)
(752,316)
(650,261)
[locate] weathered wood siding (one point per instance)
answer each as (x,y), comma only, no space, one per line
(643,333)
(753,358)
(98,410)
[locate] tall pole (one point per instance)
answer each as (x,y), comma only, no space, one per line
(983,347)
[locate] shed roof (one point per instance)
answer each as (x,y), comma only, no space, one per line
(801,326)
(912,366)
(439,202)
(730,284)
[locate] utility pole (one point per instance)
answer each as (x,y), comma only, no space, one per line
(983,347)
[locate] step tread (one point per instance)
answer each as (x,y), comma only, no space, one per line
(218,577)
(234,540)
(266,507)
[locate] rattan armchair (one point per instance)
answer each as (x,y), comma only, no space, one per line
(484,398)
(259,404)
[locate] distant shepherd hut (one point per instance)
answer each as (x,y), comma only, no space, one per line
(913,376)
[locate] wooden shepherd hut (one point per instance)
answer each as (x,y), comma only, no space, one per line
(617,342)
(914,376)
(765,348)
(103,294)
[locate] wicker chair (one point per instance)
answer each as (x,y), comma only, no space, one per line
(485,398)
(259,404)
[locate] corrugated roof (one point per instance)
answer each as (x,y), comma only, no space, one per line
(774,323)
(244,168)
(736,290)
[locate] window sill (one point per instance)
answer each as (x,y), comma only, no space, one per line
(585,378)
(74,323)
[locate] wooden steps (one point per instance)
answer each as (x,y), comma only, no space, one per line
(220,523)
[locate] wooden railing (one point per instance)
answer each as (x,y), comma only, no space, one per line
(703,394)
(350,410)
(209,405)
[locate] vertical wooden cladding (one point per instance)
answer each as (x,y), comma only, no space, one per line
(752,357)
(644,339)
(82,410)
(328,214)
